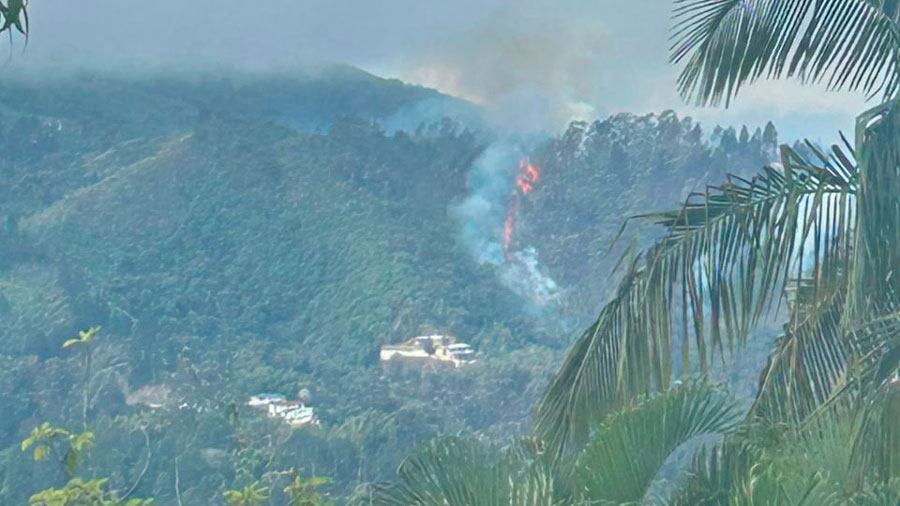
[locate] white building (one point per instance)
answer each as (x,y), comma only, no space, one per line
(265,399)
(429,349)
(294,413)
(462,353)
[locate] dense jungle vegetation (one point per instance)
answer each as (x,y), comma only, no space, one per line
(226,251)
(171,246)
(816,231)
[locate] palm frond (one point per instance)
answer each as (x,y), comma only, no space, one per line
(456,471)
(876,445)
(724,44)
(826,354)
(877,344)
(767,465)
(879,494)
(875,284)
(724,260)
(715,473)
(628,449)
(810,363)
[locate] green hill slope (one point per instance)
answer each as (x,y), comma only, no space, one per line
(242,235)
(225,254)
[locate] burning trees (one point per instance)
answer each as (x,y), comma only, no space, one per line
(527,177)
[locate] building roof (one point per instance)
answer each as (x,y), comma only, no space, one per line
(400,347)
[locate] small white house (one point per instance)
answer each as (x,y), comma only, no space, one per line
(462,353)
(298,415)
(265,399)
(429,349)
(390,351)
(294,413)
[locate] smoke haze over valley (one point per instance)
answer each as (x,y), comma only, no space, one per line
(533,65)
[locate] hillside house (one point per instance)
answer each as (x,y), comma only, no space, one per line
(293,413)
(461,353)
(430,349)
(265,399)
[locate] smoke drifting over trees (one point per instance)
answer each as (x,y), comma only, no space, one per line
(533,64)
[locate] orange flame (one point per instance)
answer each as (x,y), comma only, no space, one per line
(525,180)
(528,176)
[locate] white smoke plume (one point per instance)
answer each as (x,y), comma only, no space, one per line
(482,213)
(531,69)
(481,216)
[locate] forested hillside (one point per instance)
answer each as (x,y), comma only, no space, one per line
(596,175)
(234,236)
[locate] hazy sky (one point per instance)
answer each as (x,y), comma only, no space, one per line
(525,61)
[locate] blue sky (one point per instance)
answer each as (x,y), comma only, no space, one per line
(527,62)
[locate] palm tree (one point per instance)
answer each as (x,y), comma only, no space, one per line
(820,232)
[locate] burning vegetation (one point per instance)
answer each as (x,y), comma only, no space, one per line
(526,178)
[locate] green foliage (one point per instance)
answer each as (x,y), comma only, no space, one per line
(761,465)
(15,14)
(876,446)
(774,465)
(726,254)
(625,453)
(40,437)
(727,43)
(48,440)
(246,276)
(212,306)
(595,174)
(456,471)
(304,492)
(878,495)
(821,227)
(820,230)
(226,254)
(629,447)
(253,494)
(77,446)
(78,492)
(84,337)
